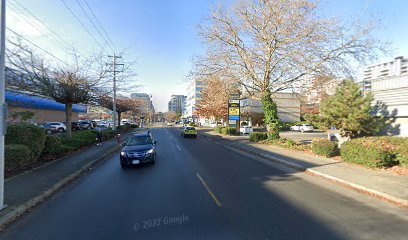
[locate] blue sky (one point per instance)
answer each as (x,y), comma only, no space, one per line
(161,34)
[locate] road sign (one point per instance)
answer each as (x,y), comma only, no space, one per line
(233,118)
(233,111)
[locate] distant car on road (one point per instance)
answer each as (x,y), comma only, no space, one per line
(189,132)
(61,127)
(169,124)
(138,149)
(246,130)
(302,128)
(48,128)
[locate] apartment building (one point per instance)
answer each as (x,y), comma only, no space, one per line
(194,89)
(177,104)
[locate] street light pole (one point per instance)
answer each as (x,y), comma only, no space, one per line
(3,115)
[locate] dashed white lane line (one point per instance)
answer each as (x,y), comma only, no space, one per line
(178,147)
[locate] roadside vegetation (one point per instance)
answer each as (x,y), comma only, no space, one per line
(27,145)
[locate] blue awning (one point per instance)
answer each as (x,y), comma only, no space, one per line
(25,100)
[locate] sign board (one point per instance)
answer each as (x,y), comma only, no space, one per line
(233,118)
(233,111)
(232,122)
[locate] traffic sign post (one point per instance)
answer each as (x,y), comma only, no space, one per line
(234,110)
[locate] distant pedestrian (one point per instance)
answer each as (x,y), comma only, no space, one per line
(99,137)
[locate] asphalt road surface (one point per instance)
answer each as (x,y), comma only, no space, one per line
(201,190)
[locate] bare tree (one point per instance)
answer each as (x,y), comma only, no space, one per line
(266,46)
(122,105)
(68,85)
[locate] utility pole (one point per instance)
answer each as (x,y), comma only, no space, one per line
(114,64)
(3,108)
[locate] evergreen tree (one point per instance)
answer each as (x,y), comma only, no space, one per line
(350,111)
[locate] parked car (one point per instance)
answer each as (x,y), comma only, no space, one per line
(245,130)
(302,128)
(85,124)
(138,149)
(103,124)
(169,124)
(61,127)
(189,132)
(75,126)
(48,128)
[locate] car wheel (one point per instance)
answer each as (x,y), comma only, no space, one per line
(123,165)
(48,131)
(60,130)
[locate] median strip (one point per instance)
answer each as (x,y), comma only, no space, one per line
(209,191)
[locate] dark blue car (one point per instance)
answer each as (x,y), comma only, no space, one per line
(138,149)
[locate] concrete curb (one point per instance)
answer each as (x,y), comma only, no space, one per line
(20,210)
(356,187)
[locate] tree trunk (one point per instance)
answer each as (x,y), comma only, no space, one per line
(270,108)
(119,115)
(68,118)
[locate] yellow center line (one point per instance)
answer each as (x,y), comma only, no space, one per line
(209,191)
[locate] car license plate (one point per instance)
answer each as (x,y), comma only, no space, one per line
(135,161)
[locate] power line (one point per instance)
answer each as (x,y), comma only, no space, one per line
(35,45)
(80,22)
(40,21)
(99,23)
(93,24)
(36,26)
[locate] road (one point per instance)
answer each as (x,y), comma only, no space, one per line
(202,190)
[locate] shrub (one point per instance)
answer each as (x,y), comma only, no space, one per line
(27,134)
(273,135)
(257,136)
(134,126)
(218,129)
(123,128)
(52,146)
(80,139)
(402,156)
(17,156)
(358,151)
(229,131)
(325,147)
(107,134)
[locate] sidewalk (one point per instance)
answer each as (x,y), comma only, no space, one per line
(378,183)
(28,189)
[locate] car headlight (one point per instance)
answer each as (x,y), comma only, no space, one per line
(150,151)
(123,154)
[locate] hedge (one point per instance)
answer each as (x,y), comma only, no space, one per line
(123,128)
(325,147)
(80,139)
(218,129)
(229,131)
(257,136)
(52,146)
(356,151)
(380,151)
(29,135)
(17,156)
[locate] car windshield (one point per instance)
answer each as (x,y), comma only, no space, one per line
(190,128)
(139,140)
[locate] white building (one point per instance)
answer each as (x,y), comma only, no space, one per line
(194,89)
(393,92)
(177,104)
(397,67)
(288,108)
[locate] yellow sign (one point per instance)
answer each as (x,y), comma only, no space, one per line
(233,111)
